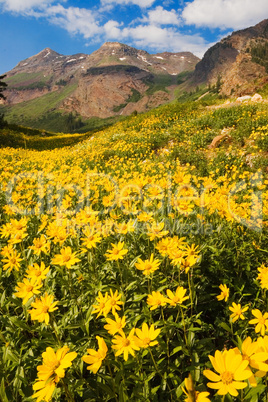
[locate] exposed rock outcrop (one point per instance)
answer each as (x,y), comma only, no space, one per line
(234,62)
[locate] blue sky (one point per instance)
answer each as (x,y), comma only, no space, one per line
(69,27)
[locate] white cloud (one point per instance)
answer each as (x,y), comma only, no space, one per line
(159,16)
(24,5)
(75,20)
(140,3)
(157,38)
(235,14)
(157,31)
(112,30)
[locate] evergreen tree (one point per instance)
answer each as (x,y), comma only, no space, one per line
(3,85)
(218,84)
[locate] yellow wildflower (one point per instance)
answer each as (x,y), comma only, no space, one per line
(27,288)
(147,335)
(95,357)
(155,300)
(42,307)
(66,258)
(232,371)
(117,252)
(115,326)
(260,320)
(148,266)
(237,311)
(177,298)
(191,394)
(224,293)
(125,344)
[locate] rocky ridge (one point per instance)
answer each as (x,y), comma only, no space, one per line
(115,79)
(233,61)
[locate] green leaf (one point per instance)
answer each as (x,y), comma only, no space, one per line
(3,298)
(137,298)
(175,350)
(226,327)
(253,393)
(19,323)
(3,392)
(12,356)
(122,395)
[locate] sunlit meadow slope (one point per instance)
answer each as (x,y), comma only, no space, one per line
(134,264)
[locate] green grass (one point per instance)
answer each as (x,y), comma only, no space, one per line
(158,82)
(259,54)
(202,92)
(182,77)
(27,80)
(22,137)
(96,123)
(26,112)
(134,97)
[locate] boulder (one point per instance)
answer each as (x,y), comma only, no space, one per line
(243,98)
(225,135)
(256,98)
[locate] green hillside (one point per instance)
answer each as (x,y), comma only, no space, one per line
(22,81)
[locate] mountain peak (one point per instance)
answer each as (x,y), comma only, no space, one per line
(47,51)
(118,49)
(113,44)
(112,80)
(262,28)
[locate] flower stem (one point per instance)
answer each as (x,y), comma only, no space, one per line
(184,327)
(112,377)
(190,290)
(67,392)
(158,371)
(54,329)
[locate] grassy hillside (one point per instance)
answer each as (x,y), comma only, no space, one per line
(28,81)
(22,137)
(133,264)
(29,113)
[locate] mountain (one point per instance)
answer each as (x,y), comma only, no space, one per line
(239,61)
(114,80)
(49,89)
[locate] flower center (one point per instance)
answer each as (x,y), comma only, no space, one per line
(45,309)
(146,341)
(147,266)
(126,342)
(55,365)
(227,377)
(66,258)
(29,288)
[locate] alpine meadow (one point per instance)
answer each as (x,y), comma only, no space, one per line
(134,263)
(134,212)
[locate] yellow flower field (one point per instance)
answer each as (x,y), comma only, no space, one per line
(134,264)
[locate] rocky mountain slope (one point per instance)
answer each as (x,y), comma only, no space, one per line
(114,80)
(118,80)
(239,61)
